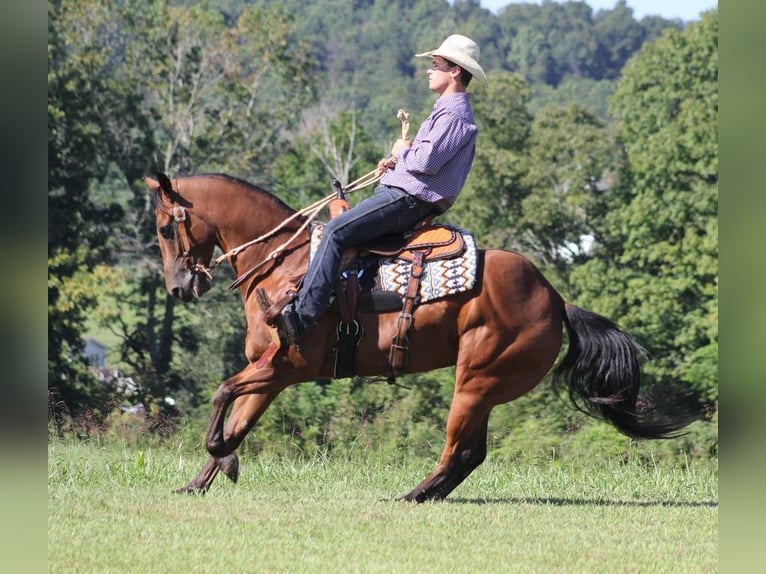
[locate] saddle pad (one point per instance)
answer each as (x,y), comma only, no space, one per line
(440,278)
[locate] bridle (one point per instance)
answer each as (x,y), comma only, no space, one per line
(182,233)
(180,225)
(183,244)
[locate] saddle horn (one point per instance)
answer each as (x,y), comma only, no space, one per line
(339,204)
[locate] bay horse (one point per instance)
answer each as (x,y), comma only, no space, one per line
(503,336)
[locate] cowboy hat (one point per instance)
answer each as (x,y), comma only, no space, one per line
(462,51)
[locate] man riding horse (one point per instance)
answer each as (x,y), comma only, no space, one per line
(502,335)
(421,178)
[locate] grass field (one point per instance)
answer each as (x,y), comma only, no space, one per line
(110,509)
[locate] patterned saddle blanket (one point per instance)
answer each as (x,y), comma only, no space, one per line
(442,276)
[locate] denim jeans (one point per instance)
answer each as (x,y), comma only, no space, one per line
(389,210)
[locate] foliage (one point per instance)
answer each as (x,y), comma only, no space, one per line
(223,93)
(68,378)
(358,415)
(78,229)
(657,269)
(591,94)
(572,159)
(542,177)
(548,42)
(494,188)
(193,93)
(616,203)
(329,144)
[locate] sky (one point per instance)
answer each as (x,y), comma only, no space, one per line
(686,10)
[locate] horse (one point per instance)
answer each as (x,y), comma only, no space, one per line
(503,336)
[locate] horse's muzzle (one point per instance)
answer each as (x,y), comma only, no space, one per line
(193,284)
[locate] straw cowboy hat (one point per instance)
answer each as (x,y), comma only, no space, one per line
(462,51)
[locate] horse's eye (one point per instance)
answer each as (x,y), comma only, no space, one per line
(166,231)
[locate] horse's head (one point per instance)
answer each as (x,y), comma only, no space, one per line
(186,241)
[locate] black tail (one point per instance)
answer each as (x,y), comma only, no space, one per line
(602,373)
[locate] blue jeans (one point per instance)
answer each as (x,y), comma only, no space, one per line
(389,210)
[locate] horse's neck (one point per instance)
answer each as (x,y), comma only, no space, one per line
(252,228)
(275,257)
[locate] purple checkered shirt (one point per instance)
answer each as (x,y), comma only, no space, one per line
(436,166)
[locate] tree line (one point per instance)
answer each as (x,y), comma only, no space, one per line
(597,158)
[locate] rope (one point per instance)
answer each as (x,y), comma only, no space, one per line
(362,182)
(312,210)
(317,207)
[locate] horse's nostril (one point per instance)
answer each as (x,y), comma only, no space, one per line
(176,292)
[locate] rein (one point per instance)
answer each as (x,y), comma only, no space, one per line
(179,214)
(311,212)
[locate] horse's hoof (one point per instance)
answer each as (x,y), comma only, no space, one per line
(411,497)
(190,489)
(229,465)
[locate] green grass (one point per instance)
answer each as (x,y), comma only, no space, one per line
(110,509)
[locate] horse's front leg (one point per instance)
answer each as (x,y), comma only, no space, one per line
(255,387)
(203,480)
(246,408)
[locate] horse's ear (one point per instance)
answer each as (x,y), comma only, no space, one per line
(163,184)
(166,186)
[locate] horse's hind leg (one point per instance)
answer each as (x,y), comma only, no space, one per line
(244,414)
(466,449)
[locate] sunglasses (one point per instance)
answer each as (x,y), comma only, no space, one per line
(442,65)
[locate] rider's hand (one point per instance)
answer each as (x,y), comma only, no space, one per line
(385,164)
(399,146)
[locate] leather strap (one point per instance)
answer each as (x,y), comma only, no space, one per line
(274,310)
(349,330)
(179,217)
(400,344)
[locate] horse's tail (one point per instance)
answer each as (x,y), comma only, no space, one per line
(602,373)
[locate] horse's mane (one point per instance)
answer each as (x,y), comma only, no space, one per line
(251,188)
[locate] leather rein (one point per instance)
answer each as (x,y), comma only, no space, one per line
(180,219)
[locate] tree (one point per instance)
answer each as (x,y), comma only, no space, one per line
(490,204)
(537,184)
(223,94)
(220,100)
(78,227)
(572,160)
(619,37)
(330,144)
(657,270)
(156,88)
